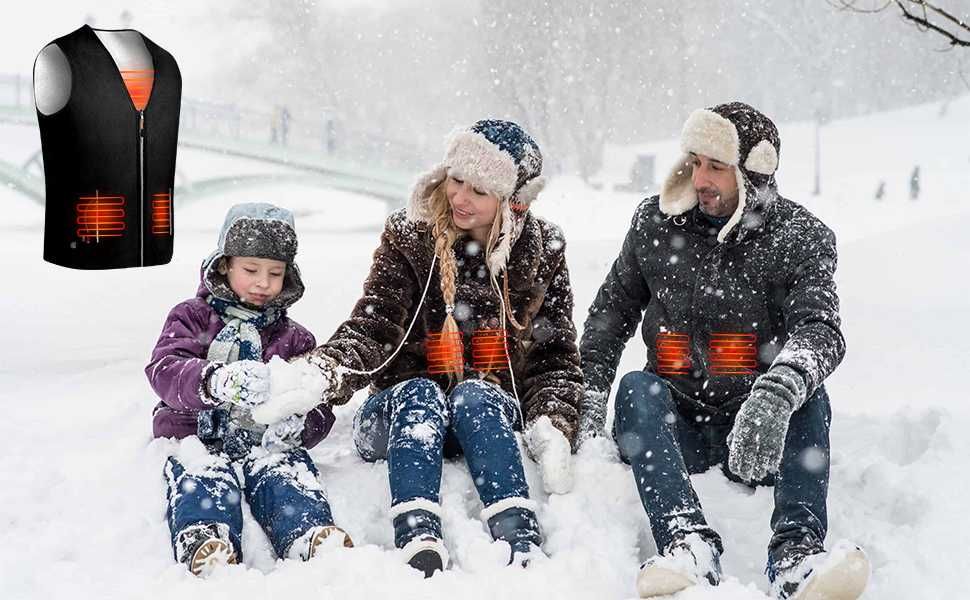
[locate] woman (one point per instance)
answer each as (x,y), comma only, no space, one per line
(466,284)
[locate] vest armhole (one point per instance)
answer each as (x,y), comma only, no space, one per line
(52,80)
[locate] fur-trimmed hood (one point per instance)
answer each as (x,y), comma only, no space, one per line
(738,135)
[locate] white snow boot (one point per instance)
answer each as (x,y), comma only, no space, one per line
(686,562)
(204,547)
(839,574)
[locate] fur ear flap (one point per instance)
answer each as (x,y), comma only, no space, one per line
(528,192)
(739,211)
(677,195)
(498,259)
(762,159)
(418,209)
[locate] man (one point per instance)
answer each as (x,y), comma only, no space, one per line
(734,285)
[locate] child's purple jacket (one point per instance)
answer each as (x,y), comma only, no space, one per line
(178,367)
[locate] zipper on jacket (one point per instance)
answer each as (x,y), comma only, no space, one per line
(141,185)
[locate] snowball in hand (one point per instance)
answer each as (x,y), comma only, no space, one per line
(295,389)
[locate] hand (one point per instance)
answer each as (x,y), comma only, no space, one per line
(592,418)
(757,441)
(284,435)
(244,383)
(329,370)
(550,449)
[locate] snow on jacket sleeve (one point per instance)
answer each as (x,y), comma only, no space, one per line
(613,317)
(378,320)
(815,344)
(178,366)
(553,380)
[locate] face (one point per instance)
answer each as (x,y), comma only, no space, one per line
(255,280)
(715,184)
(473,210)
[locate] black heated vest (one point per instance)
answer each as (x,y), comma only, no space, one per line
(110,168)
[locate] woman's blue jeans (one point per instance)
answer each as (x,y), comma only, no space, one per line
(414,425)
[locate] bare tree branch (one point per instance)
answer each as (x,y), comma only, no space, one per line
(926,15)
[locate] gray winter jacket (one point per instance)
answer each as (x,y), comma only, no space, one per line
(762,297)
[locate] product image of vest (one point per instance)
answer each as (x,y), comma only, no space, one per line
(109,158)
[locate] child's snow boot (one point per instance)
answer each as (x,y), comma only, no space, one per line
(802,572)
(417,532)
(310,543)
(204,547)
(688,560)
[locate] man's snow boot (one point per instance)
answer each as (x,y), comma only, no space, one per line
(519,527)
(310,543)
(204,547)
(417,532)
(688,560)
(804,572)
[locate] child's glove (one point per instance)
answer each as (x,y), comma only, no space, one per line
(550,449)
(284,435)
(757,440)
(244,383)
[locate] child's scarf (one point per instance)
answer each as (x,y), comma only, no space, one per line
(239,338)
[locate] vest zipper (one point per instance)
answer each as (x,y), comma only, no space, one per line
(141,184)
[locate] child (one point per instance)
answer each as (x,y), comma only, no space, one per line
(209,370)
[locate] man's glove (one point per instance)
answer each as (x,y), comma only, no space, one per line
(592,416)
(244,383)
(283,435)
(549,447)
(757,441)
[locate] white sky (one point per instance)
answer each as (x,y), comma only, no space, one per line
(184,28)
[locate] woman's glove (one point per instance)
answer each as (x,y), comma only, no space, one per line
(549,447)
(245,383)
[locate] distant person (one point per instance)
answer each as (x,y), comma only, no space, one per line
(464,334)
(735,287)
(284,124)
(880,190)
(208,367)
(274,125)
(914,184)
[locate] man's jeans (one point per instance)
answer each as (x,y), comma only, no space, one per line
(664,443)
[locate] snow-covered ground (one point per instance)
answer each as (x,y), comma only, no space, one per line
(82,507)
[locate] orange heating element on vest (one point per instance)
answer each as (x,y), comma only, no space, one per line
(673,353)
(489,350)
(445,353)
(100,217)
(162,214)
(733,353)
(139,83)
